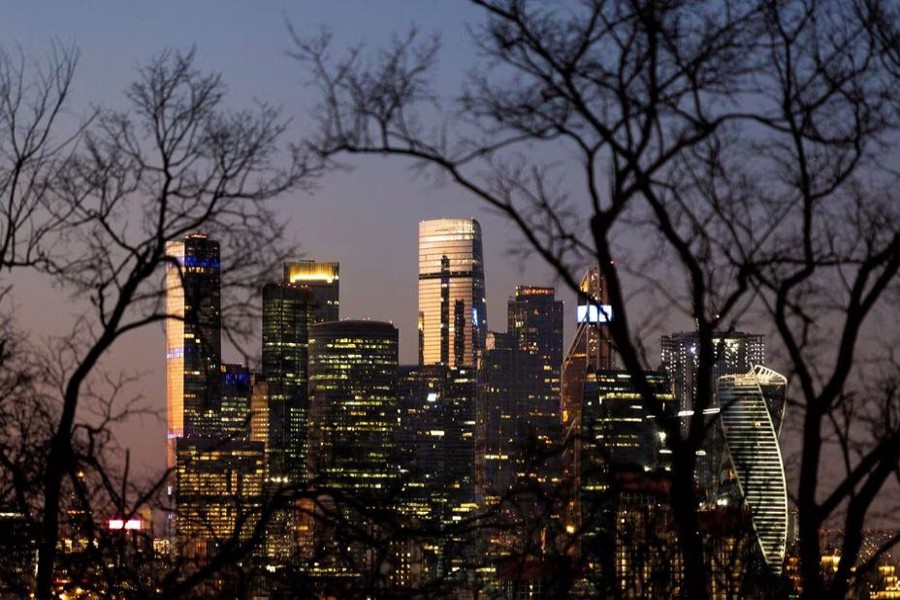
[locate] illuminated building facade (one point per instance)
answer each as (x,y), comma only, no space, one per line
(497,417)
(323,279)
(352,421)
(618,426)
(452,308)
(535,322)
(752,406)
(734,353)
(459,471)
(234,409)
(218,492)
(353,404)
(591,349)
(193,335)
(436,435)
(619,434)
(287,312)
(422,437)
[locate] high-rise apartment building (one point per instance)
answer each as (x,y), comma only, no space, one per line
(752,406)
(734,352)
(452,308)
(287,312)
(323,279)
(193,336)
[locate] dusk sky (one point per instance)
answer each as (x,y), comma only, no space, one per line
(366,219)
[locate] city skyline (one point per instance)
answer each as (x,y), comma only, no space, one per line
(222,180)
(376,246)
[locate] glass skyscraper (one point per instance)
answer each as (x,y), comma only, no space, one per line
(535,322)
(353,417)
(323,279)
(287,312)
(193,336)
(353,403)
(217,473)
(752,406)
(735,352)
(452,309)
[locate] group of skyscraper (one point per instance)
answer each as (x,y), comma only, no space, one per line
(481,414)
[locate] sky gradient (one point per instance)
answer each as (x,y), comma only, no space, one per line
(365,218)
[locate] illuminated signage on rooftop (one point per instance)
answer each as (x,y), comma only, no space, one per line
(594,313)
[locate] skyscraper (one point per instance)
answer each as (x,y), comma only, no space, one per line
(422,437)
(452,309)
(618,428)
(323,279)
(752,406)
(591,346)
(218,473)
(352,421)
(353,403)
(234,408)
(193,335)
(497,417)
(617,435)
(734,352)
(287,311)
(218,493)
(535,322)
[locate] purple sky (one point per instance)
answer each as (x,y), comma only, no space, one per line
(366,219)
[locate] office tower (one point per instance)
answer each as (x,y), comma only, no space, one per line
(618,428)
(752,405)
(452,309)
(619,436)
(497,444)
(459,396)
(592,349)
(422,438)
(642,558)
(353,403)
(218,493)
(323,279)
(287,311)
(234,411)
(259,412)
(535,322)
(734,352)
(352,420)
(193,335)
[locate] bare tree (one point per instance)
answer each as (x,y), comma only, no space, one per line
(33,146)
(107,198)
(747,144)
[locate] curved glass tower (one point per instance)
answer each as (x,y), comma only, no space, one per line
(452,309)
(752,409)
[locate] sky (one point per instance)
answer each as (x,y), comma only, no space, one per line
(365,218)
